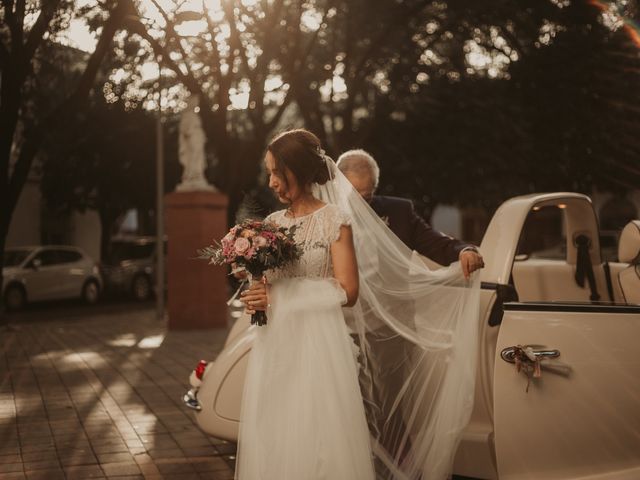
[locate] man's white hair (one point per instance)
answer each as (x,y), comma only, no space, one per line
(359,162)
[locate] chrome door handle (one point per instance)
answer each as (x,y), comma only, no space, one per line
(509,354)
(529,361)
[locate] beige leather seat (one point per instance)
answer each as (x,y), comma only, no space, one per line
(629,252)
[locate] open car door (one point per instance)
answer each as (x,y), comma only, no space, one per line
(581,418)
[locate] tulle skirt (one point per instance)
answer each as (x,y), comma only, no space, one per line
(302,414)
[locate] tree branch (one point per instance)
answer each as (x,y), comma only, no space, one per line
(235,34)
(271,124)
(298,62)
(62,114)
(209,118)
(188,79)
(40,27)
(161,51)
(9,17)
(356,79)
(235,41)
(172,35)
(312,42)
(216,55)
(383,37)
(19,24)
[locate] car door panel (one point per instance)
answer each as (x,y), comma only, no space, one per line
(36,284)
(70,273)
(73,275)
(221,392)
(583,420)
(40,280)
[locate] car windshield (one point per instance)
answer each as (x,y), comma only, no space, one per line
(13,258)
(121,251)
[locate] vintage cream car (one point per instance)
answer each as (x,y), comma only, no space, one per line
(581,318)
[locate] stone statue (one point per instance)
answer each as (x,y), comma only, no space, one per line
(191,149)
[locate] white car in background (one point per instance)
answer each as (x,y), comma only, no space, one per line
(49,272)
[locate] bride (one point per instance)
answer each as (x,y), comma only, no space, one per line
(381,388)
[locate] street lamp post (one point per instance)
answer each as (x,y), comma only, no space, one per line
(159,287)
(159,201)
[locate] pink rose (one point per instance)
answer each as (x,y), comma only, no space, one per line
(241,245)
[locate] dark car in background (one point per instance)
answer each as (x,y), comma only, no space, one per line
(49,272)
(130,267)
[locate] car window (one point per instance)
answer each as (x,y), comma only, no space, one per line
(13,258)
(47,257)
(543,234)
(68,256)
(121,251)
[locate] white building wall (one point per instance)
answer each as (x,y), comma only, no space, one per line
(85,232)
(447,219)
(26,224)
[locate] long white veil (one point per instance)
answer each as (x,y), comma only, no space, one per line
(417,330)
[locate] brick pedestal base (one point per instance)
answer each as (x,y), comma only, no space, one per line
(197,292)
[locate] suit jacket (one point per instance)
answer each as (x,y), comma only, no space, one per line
(415,232)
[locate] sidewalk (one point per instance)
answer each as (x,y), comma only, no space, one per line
(100,397)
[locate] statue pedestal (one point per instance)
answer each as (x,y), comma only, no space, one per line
(197,292)
(198,185)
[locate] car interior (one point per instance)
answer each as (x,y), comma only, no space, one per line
(551,266)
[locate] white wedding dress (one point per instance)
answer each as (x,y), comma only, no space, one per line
(302,415)
(315,405)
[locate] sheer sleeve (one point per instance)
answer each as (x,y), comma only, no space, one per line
(335,219)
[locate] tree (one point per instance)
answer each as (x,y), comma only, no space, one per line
(21,130)
(549,103)
(104,161)
(282,60)
(231,55)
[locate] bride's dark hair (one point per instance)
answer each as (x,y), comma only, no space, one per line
(300,151)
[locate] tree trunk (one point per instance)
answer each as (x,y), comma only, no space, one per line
(3,239)
(106,222)
(10,100)
(11,186)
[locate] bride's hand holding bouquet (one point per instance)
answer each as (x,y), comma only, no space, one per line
(253,247)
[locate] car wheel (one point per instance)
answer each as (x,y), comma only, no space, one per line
(90,292)
(15,298)
(141,287)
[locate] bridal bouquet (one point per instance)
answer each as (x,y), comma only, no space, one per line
(255,247)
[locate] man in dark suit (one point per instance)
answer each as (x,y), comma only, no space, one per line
(398,213)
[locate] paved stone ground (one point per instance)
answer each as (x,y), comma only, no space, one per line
(99,396)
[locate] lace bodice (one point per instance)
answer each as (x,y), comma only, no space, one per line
(315,233)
